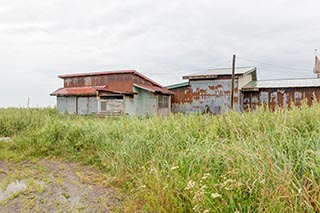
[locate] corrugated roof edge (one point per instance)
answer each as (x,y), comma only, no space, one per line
(109,73)
(95,73)
(174,86)
(154,89)
(200,75)
(252,85)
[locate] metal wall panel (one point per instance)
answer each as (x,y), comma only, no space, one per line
(62,104)
(71,105)
(212,94)
(93,105)
(280,97)
(145,103)
(83,105)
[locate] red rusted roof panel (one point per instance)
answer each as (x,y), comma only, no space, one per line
(85,91)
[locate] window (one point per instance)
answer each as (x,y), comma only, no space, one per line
(103,106)
(111,104)
(163,101)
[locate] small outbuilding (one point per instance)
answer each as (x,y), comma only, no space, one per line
(210,91)
(280,93)
(112,92)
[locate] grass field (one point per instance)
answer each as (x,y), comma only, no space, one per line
(247,162)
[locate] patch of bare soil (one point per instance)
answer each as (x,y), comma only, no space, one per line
(55,186)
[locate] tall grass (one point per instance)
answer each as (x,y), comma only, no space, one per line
(247,162)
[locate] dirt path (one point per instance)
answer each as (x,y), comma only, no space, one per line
(54,186)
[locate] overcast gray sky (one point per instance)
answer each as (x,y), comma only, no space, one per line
(164,40)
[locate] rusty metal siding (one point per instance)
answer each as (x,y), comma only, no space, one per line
(121,81)
(280,97)
(181,100)
(214,94)
(114,80)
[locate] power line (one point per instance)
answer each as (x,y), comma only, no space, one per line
(223,63)
(273,65)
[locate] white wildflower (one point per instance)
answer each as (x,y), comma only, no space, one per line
(198,196)
(228,181)
(142,187)
(215,195)
(174,167)
(205,176)
(196,208)
(190,185)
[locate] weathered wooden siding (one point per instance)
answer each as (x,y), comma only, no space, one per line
(280,97)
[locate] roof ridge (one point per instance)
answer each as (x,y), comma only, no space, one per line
(288,79)
(96,73)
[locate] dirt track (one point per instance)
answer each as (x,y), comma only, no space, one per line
(54,186)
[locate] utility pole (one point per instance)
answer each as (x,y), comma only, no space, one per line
(28,103)
(232,80)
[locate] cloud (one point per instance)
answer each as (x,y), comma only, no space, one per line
(163,39)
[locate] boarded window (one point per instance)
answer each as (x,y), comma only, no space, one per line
(163,101)
(112,104)
(103,105)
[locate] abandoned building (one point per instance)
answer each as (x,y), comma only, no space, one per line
(210,90)
(280,93)
(112,92)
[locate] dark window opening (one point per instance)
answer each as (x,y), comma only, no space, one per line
(113,97)
(163,101)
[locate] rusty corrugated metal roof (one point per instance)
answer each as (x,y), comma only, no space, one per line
(85,91)
(153,88)
(78,91)
(214,73)
(91,91)
(282,83)
(106,89)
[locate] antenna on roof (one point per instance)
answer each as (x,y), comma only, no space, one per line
(315,52)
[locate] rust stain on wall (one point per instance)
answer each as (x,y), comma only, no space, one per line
(280,97)
(215,96)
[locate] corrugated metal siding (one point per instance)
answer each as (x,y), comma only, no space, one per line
(145,102)
(280,97)
(77,105)
(214,94)
(87,105)
(129,105)
(120,82)
(92,105)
